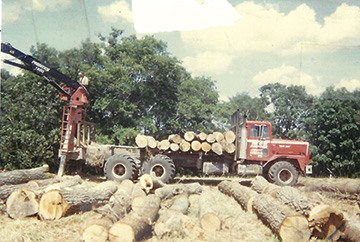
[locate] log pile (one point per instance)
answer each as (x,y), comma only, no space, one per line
(216,142)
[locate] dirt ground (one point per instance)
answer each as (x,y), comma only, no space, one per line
(237,225)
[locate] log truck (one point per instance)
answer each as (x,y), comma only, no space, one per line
(256,152)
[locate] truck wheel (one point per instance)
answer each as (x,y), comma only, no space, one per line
(283,173)
(120,167)
(162,167)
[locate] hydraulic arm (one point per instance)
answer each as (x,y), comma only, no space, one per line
(74,94)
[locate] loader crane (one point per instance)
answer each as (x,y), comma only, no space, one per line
(72,92)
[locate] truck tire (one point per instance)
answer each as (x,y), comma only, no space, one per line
(162,167)
(283,173)
(120,167)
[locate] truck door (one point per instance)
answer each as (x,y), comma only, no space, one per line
(258,142)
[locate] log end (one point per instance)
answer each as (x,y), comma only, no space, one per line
(210,222)
(121,232)
(295,228)
(21,204)
(95,233)
(52,205)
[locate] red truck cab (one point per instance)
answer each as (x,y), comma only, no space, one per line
(279,160)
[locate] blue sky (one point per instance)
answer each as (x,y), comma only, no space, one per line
(242,45)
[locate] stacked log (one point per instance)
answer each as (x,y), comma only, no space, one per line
(217,142)
(25,175)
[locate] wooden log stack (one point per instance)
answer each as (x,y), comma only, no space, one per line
(217,142)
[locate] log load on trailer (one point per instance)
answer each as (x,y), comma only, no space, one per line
(249,148)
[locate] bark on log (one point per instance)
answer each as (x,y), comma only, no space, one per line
(217,148)
(218,136)
(259,183)
(202,136)
(174,147)
(349,186)
(138,191)
(169,191)
(151,142)
(189,136)
(352,231)
(56,204)
(141,141)
(195,145)
(169,221)
(175,138)
(205,146)
(243,195)
(164,145)
(136,225)
(209,220)
(22,176)
(149,182)
(210,138)
(281,220)
(229,136)
(22,204)
(184,146)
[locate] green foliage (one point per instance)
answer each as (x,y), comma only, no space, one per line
(335,133)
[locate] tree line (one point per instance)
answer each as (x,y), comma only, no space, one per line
(137,86)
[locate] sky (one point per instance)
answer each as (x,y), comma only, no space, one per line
(241,45)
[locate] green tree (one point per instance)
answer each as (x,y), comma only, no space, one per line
(291,108)
(334,128)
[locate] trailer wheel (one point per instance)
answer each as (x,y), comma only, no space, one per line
(120,167)
(161,167)
(283,173)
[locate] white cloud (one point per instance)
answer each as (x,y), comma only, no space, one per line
(288,75)
(12,10)
(350,85)
(262,28)
(151,16)
(115,12)
(208,63)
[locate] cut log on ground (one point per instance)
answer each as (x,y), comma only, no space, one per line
(352,231)
(195,145)
(97,229)
(229,136)
(22,176)
(141,141)
(170,191)
(259,183)
(189,136)
(217,148)
(175,138)
(243,195)
(184,146)
(288,225)
(149,182)
(346,186)
(56,204)
(202,136)
(136,225)
(138,191)
(22,204)
(169,221)
(151,142)
(119,203)
(205,146)
(209,220)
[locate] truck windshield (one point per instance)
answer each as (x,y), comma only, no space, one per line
(259,131)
